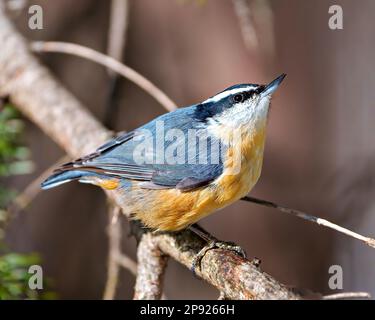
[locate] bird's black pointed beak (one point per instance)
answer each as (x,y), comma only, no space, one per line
(272,86)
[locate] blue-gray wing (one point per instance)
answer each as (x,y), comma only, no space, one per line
(168,152)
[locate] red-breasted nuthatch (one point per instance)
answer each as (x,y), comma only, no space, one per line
(168,176)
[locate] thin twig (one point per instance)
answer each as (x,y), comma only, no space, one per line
(264,20)
(245,20)
(347,295)
(323,222)
(126,262)
(150,272)
(113,269)
(24,199)
(117,34)
(116,258)
(118,24)
(100,58)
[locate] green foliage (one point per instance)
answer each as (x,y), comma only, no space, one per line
(14,277)
(13,157)
(14,267)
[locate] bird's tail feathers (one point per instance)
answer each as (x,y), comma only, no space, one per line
(62,177)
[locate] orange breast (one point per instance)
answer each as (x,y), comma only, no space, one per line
(172,210)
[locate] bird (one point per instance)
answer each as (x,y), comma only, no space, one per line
(183,165)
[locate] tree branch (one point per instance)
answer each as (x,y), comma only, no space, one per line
(118,24)
(117,35)
(127,263)
(50,106)
(246,23)
(113,267)
(110,63)
(347,295)
(322,222)
(151,267)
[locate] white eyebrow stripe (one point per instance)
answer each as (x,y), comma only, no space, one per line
(225,94)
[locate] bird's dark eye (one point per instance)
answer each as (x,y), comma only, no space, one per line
(238,98)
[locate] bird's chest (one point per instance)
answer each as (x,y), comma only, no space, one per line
(240,175)
(242,169)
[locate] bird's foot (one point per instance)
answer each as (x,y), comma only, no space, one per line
(215,244)
(212,243)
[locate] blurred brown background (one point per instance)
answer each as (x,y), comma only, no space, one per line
(319,154)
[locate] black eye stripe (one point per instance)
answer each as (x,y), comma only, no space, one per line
(241,97)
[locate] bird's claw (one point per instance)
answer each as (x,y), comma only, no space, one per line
(231,246)
(215,244)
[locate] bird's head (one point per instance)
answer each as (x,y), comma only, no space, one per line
(240,105)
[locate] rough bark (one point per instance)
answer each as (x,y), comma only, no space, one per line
(151,267)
